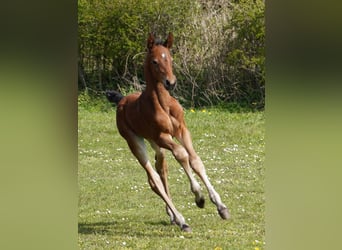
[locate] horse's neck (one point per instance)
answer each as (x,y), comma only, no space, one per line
(160,97)
(155,91)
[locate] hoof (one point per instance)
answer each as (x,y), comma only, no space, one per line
(173,222)
(223,212)
(200,202)
(186,228)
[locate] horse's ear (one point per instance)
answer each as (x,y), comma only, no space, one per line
(150,41)
(169,41)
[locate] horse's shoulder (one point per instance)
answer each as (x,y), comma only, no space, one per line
(175,108)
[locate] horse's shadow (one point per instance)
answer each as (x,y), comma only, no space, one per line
(106,228)
(95,228)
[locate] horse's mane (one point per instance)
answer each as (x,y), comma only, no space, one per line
(158,41)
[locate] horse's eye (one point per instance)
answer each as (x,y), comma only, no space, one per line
(155,62)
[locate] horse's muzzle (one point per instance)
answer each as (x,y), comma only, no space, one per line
(170,85)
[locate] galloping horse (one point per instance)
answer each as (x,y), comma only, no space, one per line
(156,116)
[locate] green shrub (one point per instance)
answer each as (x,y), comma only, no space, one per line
(94,102)
(218,49)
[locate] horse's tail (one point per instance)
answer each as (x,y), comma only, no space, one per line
(114,96)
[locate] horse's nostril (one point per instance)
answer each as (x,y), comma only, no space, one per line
(169,85)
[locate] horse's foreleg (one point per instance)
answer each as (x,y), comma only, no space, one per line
(183,158)
(138,148)
(198,166)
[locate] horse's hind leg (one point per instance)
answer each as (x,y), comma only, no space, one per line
(162,169)
(138,148)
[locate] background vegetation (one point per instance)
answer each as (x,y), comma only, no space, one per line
(218,52)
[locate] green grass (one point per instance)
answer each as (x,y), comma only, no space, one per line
(118,210)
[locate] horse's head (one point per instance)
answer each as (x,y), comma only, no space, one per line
(159,61)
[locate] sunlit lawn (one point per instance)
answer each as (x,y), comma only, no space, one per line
(117,209)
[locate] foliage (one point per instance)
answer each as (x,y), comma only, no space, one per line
(93,102)
(218,51)
(118,210)
(247,56)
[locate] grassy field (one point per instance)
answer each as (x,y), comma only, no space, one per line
(118,210)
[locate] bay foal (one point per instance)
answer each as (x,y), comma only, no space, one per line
(156,116)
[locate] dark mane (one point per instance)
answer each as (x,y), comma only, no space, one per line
(158,41)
